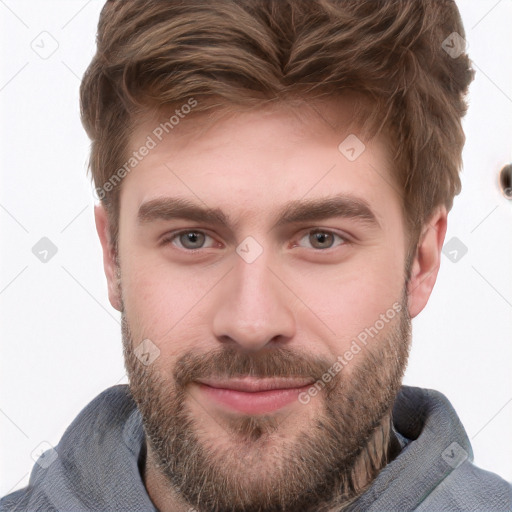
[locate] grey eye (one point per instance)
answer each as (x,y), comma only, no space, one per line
(322,239)
(192,239)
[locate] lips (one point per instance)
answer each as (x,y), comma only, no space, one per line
(251,395)
(254,384)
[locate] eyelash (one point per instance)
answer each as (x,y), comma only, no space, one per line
(175,235)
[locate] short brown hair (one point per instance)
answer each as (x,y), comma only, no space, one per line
(154,54)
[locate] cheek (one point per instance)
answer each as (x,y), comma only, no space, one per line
(161,301)
(343,301)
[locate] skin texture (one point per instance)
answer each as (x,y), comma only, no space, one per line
(292,311)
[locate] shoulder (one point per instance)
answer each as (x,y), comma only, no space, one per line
(472,489)
(107,429)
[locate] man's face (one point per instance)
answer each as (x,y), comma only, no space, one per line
(245,313)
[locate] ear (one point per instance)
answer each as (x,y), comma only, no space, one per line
(427,260)
(109,256)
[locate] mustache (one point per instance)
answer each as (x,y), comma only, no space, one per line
(231,362)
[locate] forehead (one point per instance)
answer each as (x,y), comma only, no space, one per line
(257,160)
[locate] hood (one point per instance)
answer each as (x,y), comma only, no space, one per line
(96,464)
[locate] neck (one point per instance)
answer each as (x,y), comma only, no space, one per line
(161,493)
(382,447)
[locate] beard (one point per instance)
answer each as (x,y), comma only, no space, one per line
(256,466)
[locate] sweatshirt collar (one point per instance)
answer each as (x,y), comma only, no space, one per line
(101,453)
(436,444)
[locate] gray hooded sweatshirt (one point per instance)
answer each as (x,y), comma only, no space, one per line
(97,463)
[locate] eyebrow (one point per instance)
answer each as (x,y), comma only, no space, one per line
(297,211)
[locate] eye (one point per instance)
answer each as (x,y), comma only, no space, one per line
(322,239)
(190,239)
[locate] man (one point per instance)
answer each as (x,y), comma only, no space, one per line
(274,178)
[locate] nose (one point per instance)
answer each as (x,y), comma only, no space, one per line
(253,307)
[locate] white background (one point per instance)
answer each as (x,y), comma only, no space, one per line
(60,338)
